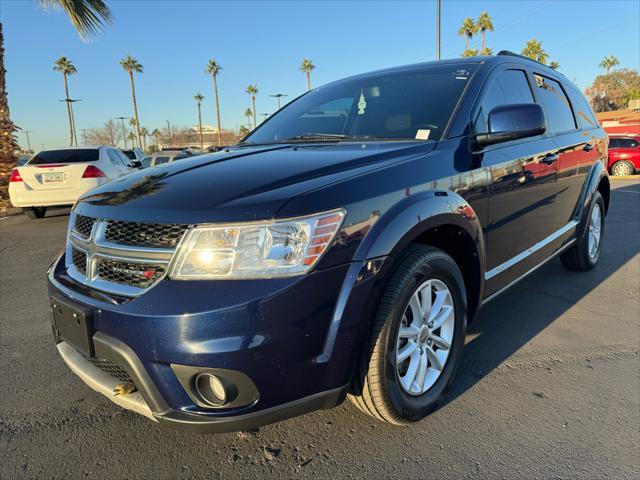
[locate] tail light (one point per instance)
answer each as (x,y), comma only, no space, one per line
(92,172)
(15,176)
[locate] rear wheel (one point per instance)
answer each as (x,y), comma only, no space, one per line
(416,339)
(584,255)
(35,212)
(622,168)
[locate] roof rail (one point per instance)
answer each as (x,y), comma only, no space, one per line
(512,54)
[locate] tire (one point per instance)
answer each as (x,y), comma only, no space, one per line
(35,212)
(379,386)
(582,256)
(622,168)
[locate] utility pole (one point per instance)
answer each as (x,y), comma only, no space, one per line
(124,132)
(279,96)
(170,137)
(27,132)
(438,30)
(84,134)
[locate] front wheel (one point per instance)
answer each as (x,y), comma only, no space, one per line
(416,339)
(35,212)
(584,255)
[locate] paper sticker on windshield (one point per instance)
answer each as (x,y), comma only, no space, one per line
(362,104)
(461,74)
(423,134)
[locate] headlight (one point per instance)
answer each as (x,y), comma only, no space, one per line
(255,250)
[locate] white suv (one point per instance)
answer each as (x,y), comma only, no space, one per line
(59,177)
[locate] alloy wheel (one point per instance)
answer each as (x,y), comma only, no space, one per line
(595,231)
(425,337)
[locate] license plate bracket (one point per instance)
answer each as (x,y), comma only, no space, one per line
(52,177)
(73,323)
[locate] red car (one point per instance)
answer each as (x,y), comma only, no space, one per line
(624,154)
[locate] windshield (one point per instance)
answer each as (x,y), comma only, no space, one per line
(73,155)
(131,155)
(411,104)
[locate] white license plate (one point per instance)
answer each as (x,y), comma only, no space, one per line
(52,177)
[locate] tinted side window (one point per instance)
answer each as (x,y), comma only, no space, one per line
(557,107)
(623,143)
(161,160)
(509,86)
(114,157)
(584,114)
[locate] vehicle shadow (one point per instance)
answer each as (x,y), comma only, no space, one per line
(513,319)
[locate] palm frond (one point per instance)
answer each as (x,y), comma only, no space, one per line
(87,16)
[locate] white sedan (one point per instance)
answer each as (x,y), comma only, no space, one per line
(59,177)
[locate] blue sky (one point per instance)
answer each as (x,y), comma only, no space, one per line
(264,43)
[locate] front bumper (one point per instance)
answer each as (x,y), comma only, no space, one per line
(297,339)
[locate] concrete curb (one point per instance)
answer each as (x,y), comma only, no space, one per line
(624,177)
(10,212)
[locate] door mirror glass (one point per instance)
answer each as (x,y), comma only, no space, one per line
(135,164)
(512,122)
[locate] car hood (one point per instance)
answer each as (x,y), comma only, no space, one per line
(240,184)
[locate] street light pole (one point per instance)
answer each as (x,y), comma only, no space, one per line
(279,96)
(170,137)
(438,30)
(124,132)
(84,134)
(27,132)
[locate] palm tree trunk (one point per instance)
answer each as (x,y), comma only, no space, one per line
(73,125)
(200,125)
(215,91)
(253,103)
(66,91)
(482,34)
(308,81)
(466,42)
(135,108)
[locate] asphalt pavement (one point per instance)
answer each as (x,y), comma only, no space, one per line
(549,387)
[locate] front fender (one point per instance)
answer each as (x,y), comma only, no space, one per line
(416,214)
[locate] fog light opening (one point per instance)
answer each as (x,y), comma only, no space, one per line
(211,389)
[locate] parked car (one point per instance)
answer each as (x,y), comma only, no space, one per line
(167,156)
(340,250)
(145,162)
(55,178)
(624,154)
(22,160)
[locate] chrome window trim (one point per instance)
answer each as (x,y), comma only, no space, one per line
(531,250)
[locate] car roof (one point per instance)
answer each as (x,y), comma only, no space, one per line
(77,147)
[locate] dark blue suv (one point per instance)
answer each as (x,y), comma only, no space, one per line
(339,250)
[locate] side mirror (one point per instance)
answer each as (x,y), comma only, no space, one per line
(135,164)
(511,122)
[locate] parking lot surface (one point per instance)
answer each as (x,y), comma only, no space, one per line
(549,387)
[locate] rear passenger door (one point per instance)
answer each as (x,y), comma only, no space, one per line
(577,147)
(523,177)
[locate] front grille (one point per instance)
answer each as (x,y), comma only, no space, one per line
(83,225)
(153,235)
(140,275)
(111,369)
(79,259)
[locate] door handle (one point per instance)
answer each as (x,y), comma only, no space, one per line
(588,147)
(550,158)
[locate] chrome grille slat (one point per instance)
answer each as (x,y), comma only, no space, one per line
(123,258)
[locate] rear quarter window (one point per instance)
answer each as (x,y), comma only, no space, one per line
(584,115)
(75,155)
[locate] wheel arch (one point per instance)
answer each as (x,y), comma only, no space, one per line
(442,219)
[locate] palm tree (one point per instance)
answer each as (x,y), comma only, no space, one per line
(554,65)
(214,68)
(131,136)
(307,67)
(131,65)
(248,114)
(487,51)
(470,53)
(468,30)
(253,91)
(484,24)
(609,62)
(198,98)
(144,132)
(64,65)
(534,51)
(156,134)
(87,16)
